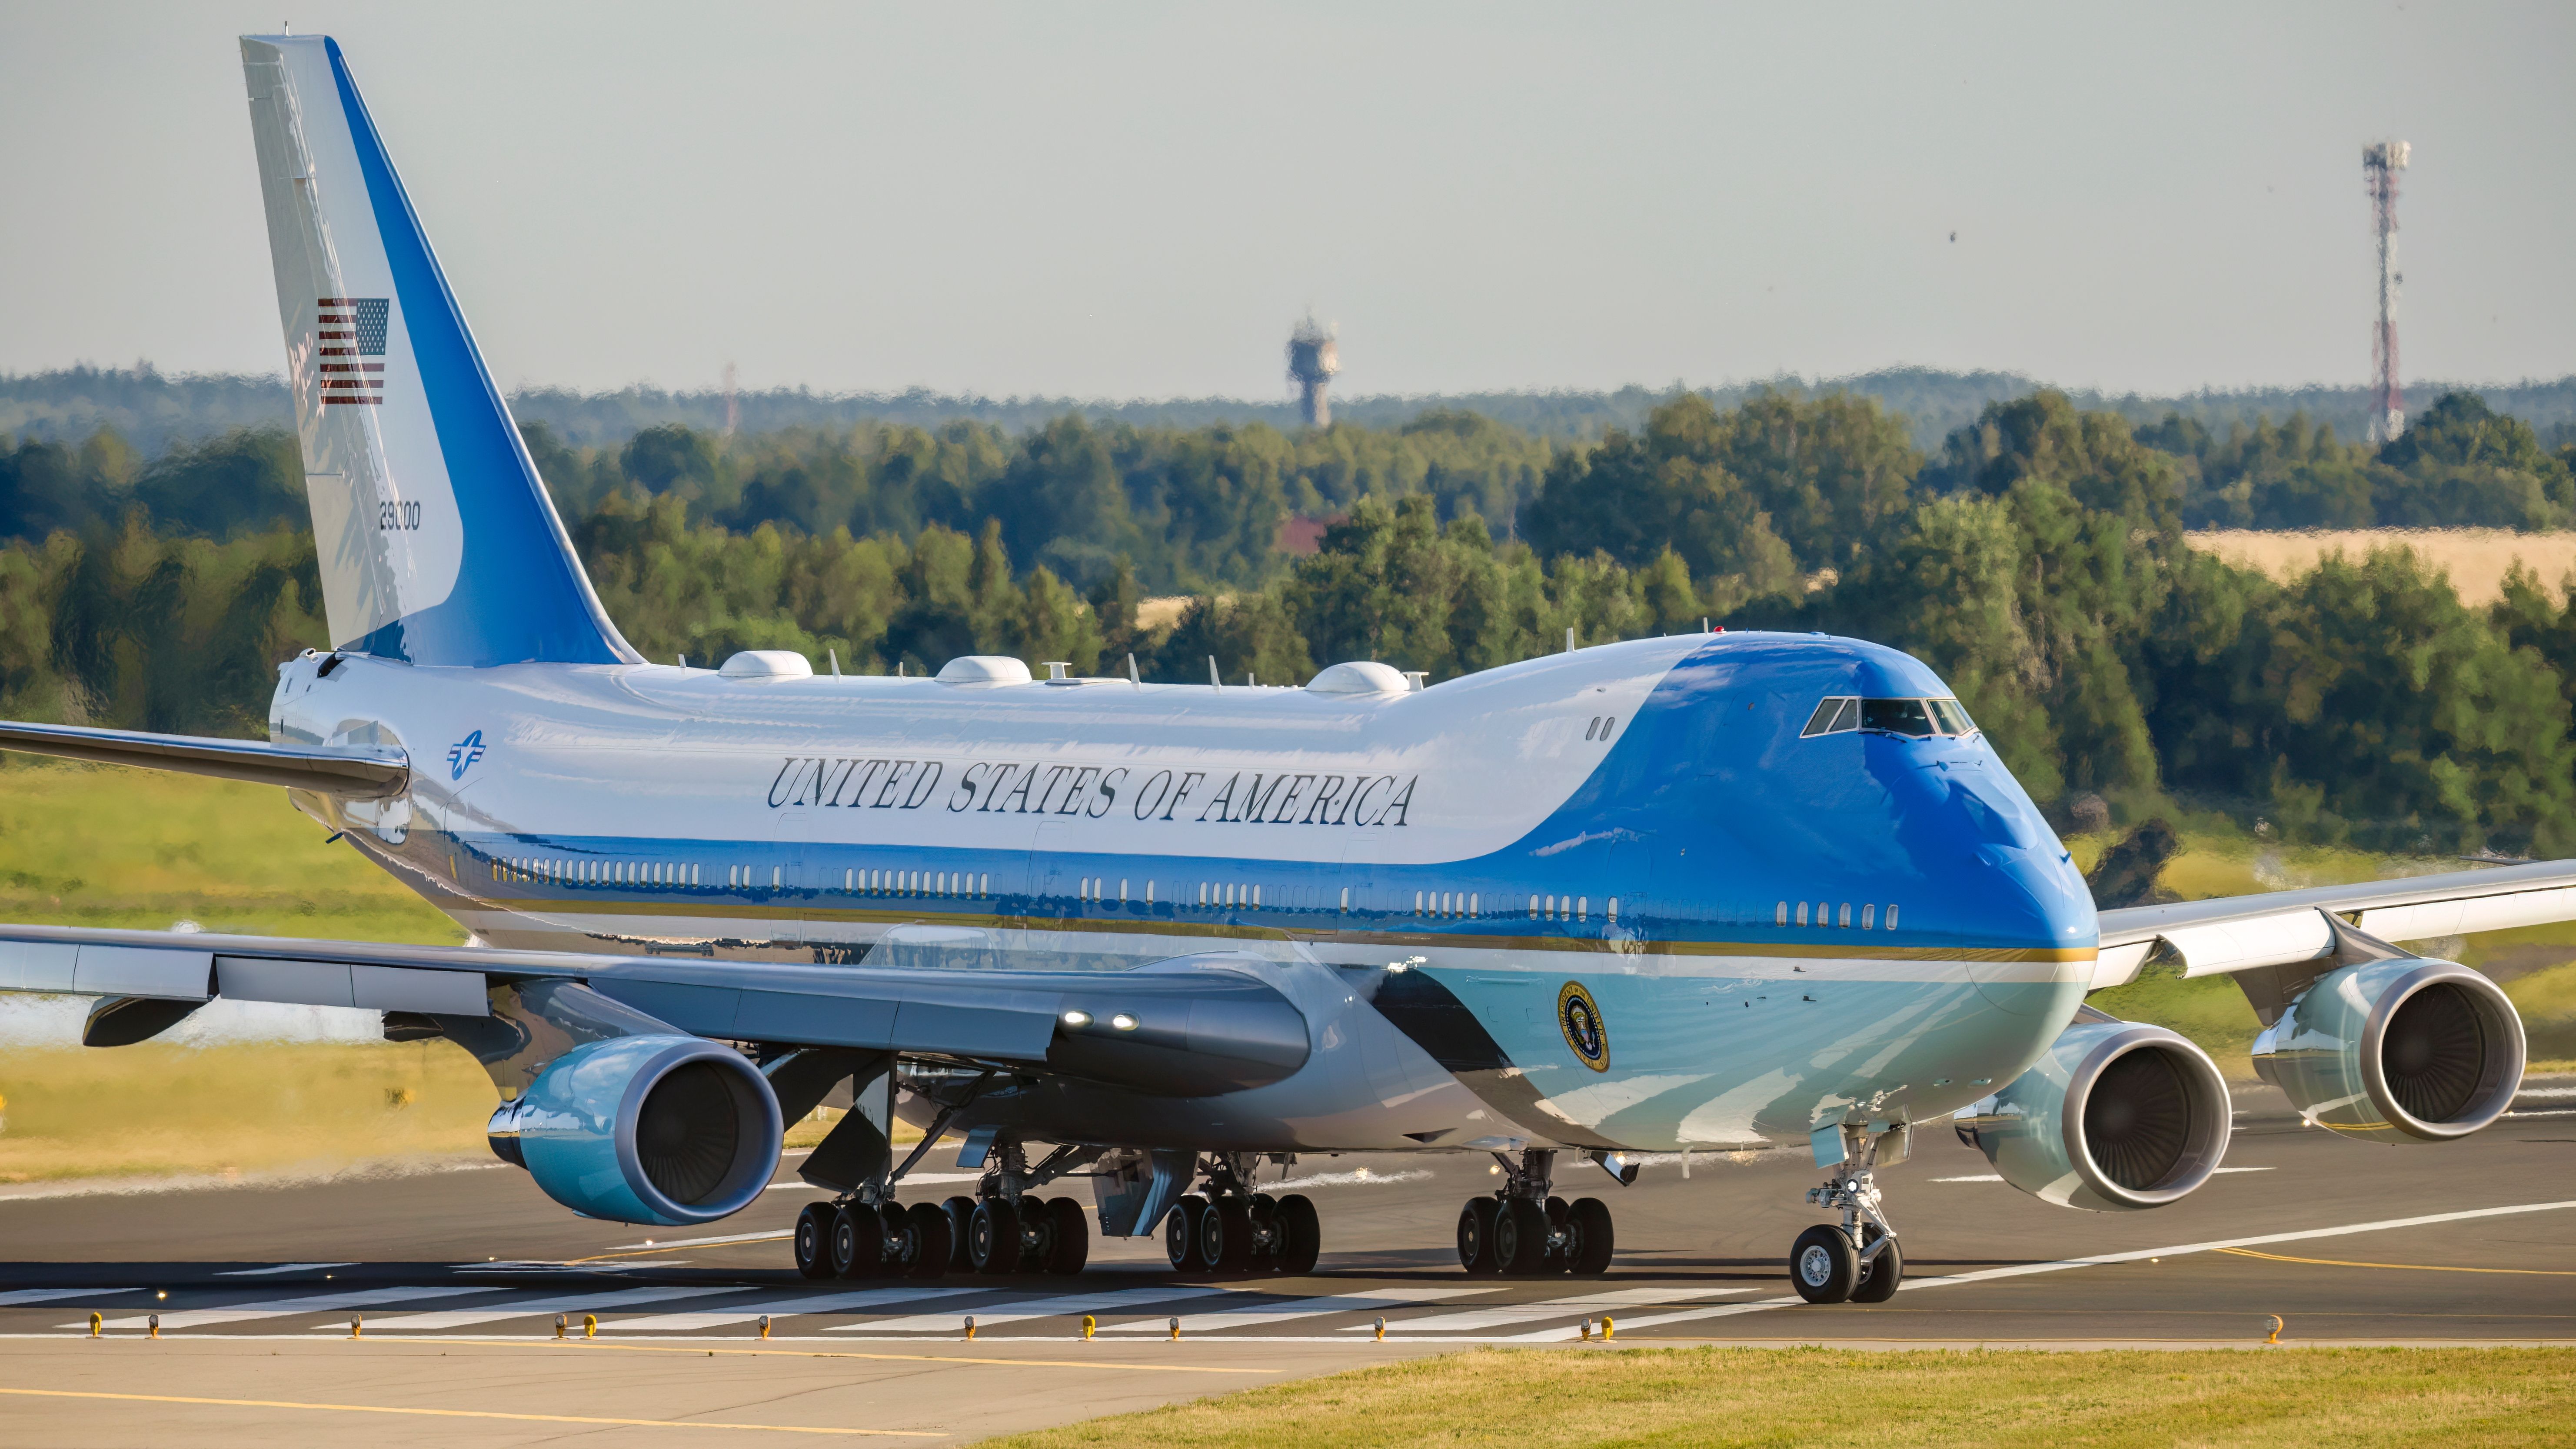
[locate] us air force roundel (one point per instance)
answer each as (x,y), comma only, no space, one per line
(1581,1021)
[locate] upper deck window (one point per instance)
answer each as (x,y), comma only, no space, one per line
(1912,718)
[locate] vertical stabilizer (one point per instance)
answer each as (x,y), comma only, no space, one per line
(438,544)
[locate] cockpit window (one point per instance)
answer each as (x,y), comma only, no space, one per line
(1835,714)
(1912,718)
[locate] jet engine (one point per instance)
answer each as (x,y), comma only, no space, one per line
(662,1130)
(2402,1050)
(2117,1115)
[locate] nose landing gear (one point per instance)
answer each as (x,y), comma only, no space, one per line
(1856,1260)
(1524,1230)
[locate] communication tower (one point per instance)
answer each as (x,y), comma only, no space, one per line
(2380,165)
(1312,361)
(733,404)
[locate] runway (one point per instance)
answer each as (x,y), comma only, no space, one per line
(457,1277)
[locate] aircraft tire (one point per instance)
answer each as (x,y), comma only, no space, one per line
(961,1224)
(1824,1266)
(813,1241)
(1227,1229)
(1595,1238)
(933,1235)
(1881,1276)
(994,1240)
(858,1241)
(1301,1235)
(1072,1236)
(1181,1232)
(1476,1237)
(1520,1238)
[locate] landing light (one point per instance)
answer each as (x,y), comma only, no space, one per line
(1123,1022)
(1077,1018)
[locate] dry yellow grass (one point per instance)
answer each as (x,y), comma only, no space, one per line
(2475,558)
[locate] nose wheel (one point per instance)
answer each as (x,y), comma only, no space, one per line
(1856,1260)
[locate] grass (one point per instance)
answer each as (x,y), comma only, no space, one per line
(1530,1399)
(94,845)
(2475,558)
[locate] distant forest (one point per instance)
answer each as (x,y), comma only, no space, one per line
(2034,556)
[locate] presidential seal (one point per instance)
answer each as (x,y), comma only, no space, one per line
(1580,1019)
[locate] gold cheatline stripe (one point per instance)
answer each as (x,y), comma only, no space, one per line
(467,1414)
(1213,931)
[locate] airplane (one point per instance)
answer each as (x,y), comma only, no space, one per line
(1702,893)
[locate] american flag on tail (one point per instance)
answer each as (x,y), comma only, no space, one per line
(347,329)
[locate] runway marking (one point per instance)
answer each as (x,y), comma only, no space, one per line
(289,1307)
(1998,1177)
(2017,1270)
(18,1296)
(784,1307)
(1285,1310)
(1505,1314)
(1012,1311)
(469,1414)
(2411,1267)
(668,1243)
(280,1268)
(572,1301)
(695,1350)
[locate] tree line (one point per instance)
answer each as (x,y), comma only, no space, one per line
(2036,559)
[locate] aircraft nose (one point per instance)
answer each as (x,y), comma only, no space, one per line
(2021,896)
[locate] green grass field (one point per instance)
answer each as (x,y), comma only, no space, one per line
(1536,1399)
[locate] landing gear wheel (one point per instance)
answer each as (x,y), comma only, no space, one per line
(1225,1236)
(1879,1276)
(1520,1237)
(961,1231)
(1589,1218)
(1301,1236)
(1265,1232)
(1181,1232)
(1823,1265)
(1560,1237)
(1072,1236)
(814,1240)
(934,1237)
(858,1241)
(993,1239)
(1476,1237)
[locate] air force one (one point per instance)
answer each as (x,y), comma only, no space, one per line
(1702,893)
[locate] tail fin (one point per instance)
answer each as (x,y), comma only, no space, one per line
(438,544)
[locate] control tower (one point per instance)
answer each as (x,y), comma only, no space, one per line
(1312,361)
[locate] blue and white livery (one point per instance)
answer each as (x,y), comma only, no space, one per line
(1707,892)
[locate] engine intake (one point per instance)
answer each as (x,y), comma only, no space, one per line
(2116,1116)
(657,1130)
(2403,1050)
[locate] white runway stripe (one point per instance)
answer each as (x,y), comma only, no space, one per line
(1503,1315)
(16,1296)
(566,1300)
(280,1268)
(1285,1310)
(1124,1300)
(733,1313)
(290,1307)
(2018,1270)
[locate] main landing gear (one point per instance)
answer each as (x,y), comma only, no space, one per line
(1853,1261)
(1226,1227)
(1005,1229)
(1523,1229)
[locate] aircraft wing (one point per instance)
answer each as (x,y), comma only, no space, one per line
(359,771)
(2243,933)
(1195,1026)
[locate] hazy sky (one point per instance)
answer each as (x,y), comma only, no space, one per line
(1137,201)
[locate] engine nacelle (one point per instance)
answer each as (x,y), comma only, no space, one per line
(2118,1115)
(2404,1050)
(659,1130)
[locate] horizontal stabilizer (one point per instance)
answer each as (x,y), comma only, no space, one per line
(352,771)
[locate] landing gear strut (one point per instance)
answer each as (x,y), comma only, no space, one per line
(1524,1230)
(1226,1227)
(1856,1260)
(1006,1229)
